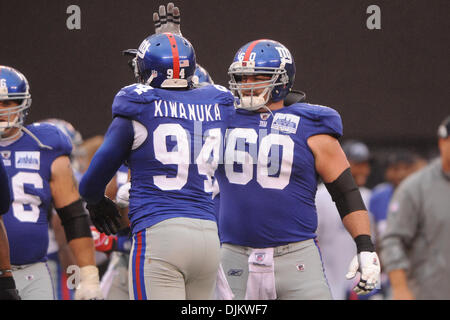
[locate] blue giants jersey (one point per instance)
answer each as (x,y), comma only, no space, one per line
(29,170)
(268,181)
(178,138)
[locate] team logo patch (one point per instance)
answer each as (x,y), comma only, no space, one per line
(285,122)
(28,160)
(6,157)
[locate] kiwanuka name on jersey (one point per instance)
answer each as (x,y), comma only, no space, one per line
(177,147)
(268,181)
(29,171)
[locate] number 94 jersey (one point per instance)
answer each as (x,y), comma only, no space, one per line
(29,170)
(178,138)
(268,181)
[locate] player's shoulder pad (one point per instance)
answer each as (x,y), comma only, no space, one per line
(50,135)
(217,93)
(130,100)
(320,119)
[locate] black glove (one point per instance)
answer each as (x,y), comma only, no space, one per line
(105,216)
(8,289)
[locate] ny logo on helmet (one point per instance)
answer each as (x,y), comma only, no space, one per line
(143,48)
(285,55)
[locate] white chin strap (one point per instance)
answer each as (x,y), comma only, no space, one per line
(6,125)
(252,102)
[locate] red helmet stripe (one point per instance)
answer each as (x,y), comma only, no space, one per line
(249,50)
(175,54)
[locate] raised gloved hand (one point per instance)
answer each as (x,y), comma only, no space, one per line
(89,287)
(167,23)
(105,216)
(368,264)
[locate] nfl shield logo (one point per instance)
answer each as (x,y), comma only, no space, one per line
(300,267)
(6,156)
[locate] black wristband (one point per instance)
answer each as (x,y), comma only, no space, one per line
(7,283)
(364,243)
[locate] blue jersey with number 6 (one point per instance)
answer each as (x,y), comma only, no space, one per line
(178,138)
(29,170)
(268,181)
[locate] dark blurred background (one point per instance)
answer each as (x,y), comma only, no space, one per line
(391,86)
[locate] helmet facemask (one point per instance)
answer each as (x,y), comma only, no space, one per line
(15,116)
(249,100)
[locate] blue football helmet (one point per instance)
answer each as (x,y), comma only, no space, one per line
(201,77)
(13,86)
(262,57)
(165,61)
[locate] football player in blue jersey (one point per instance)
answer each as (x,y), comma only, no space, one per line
(59,254)
(170,134)
(275,150)
(268,182)
(114,282)
(36,158)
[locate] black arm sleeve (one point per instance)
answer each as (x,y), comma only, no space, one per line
(75,220)
(345,193)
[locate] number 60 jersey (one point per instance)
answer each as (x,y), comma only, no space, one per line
(268,181)
(178,138)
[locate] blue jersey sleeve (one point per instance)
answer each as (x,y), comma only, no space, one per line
(53,137)
(5,193)
(322,120)
(107,160)
(131,100)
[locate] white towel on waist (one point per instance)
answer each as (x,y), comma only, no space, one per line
(261,275)
(223,290)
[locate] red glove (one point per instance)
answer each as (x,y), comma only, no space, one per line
(102,242)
